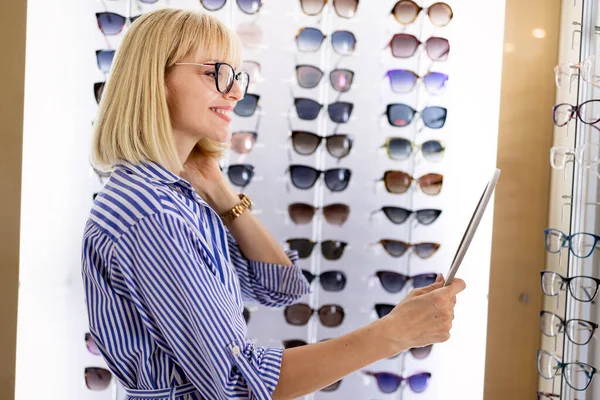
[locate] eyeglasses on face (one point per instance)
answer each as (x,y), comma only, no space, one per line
(582,288)
(399,215)
(587,112)
(311,39)
(246,6)
(578,331)
(335,214)
(224,76)
(581,244)
(343,8)
(577,375)
(397,248)
(407,11)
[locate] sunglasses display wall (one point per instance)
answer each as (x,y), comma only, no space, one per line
(568,358)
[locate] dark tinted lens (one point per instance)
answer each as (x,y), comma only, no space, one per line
(428,216)
(242,142)
(310,277)
(339,145)
(400,114)
(336,214)
(332,387)
(434,117)
(249,6)
(426,250)
(105,59)
(388,382)
(301,213)
(397,215)
(240,174)
(345,8)
(437,48)
(397,182)
(308,76)
(213,5)
(298,314)
(341,79)
(246,106)
(340,111)
(435,82)
(433,150)
(333,249)
(402,80)
(392,282)
(399,148)
(421,352)
(333,281)
(312,7)
(418,382)
(307,108)
(97,378)
(343,42)
(309,39)
(110,23)
(395,248)
(246,314)
(331,315)
(290,344)
(383,309)
(90,343)
(98,90)
(403,45)
(305,143)
(304,247)
(337,179)
(303,177)
(423,280)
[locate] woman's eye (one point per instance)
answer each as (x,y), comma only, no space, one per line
(211,74)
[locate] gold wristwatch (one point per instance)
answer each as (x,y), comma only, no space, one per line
(244,204)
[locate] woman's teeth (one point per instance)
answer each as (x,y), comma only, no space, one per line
(220,111)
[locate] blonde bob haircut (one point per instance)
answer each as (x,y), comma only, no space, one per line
(133,122)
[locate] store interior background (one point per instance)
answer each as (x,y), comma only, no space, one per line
(520,214)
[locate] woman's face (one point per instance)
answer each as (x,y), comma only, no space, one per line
(198,110)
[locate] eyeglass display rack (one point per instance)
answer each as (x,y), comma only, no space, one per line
(574,204)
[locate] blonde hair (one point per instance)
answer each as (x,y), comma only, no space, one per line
(133,122)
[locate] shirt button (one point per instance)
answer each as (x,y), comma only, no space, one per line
(235,350)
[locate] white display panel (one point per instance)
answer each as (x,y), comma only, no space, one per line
(58,183)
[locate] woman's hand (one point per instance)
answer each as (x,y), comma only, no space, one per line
(207,179)
(423,317)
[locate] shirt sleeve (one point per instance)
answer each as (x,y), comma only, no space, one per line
(183,303)
(268,284)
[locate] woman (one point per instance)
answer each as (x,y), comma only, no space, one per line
(170,251)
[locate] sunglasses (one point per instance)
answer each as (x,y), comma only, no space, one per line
(389,382)
(302,213)
(112,24)
(586,69)
(586,155)
(578,331)
(225,76)
(247,6)
(397,248)
(309,109)
(398,182)
(402,115)
(399,215)
(582,288)
(394,282)
(330,315)
(404,81)
(331,281)
(581,244)
(400,149)
(243,141)
(331,249)
(97,378)
(247,106)
(240,174)
(587,112)
(343,8)
(578,375)
(311,39)
(407,11)
(404,46)
(104,59)
(98,90)
(304,177)
(309,77)
(306,143)
(91,345)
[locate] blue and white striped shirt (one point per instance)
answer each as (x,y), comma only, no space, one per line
(165,283)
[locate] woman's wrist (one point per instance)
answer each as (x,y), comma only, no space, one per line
(220,196)
(390,340)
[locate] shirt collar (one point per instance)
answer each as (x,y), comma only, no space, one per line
(151,170)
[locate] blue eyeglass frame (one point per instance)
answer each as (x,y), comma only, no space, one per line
(568,238)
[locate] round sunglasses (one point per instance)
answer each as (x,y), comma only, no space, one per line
(397,248)
(306,143)
(343,8)
(331,249)
(331,281)
(404,45)
(399,215)
(398,182)
(394,282)
(404,81)
(309,109)
(407,11)
(246,6)
(309,77)
(402,115)
(304,177)
(400,149)
(302,213)
(311,39)
(330,315)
